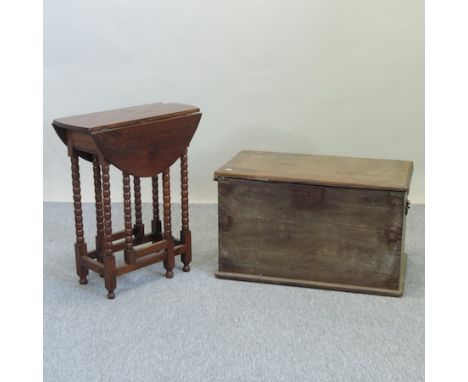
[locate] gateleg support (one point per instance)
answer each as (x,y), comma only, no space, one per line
(99,209)
(80,244)
(156,229)
(109,258)
(139,227)
(169,263)
(82,272)
(185,234)
(110,277)
(186,257)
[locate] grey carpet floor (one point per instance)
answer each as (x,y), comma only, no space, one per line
(195,327)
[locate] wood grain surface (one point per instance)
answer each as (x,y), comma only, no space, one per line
(350,237)
(127,116)
(148,149)
(323,170)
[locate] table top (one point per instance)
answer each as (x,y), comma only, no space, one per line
(128,116)
(379,174)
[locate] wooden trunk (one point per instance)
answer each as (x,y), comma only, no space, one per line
(314,221)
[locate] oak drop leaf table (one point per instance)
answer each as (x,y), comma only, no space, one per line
(141,141)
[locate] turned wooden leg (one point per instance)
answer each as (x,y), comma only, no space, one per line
(169,263)
(156,222)
(185,234)
(99,211)
(109,258)
(80,245)
(129,255)
(139,229)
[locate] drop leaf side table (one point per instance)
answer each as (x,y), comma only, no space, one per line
(141,141)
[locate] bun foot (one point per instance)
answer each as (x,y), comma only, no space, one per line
(83,281)
(169,274)
(111,295)
(186,268)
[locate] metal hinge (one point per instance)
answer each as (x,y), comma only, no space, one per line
(407,206)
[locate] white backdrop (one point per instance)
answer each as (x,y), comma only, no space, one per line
(334,77)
